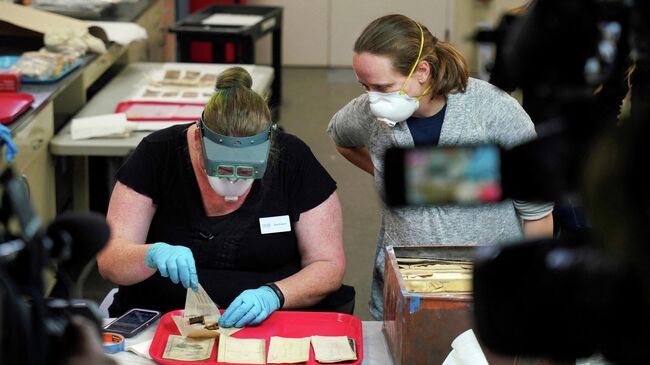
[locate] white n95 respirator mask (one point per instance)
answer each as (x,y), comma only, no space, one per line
(392,108)
(230,189)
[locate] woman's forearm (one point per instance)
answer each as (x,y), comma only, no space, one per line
(359,156)
(311,284)
(123,262)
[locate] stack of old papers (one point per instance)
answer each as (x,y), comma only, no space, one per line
(108,125)
(188,349)
(242,350)
(173,83)
(332,349)
(288,350)
(436,275)
(198,328)
(200,317)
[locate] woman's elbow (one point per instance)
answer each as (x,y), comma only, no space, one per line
(105,270)
(337,274)
(106,265)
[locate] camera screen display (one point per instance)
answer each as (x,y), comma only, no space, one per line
(459,174)
(130,321)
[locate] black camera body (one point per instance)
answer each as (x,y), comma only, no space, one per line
(36,330)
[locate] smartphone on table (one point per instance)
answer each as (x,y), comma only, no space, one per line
(133,322)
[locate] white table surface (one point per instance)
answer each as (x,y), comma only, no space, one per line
(375,349)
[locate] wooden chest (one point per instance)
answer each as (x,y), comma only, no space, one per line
(420,327)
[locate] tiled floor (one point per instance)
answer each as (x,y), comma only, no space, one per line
(310,97)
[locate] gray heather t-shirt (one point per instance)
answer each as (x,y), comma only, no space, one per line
(482,114)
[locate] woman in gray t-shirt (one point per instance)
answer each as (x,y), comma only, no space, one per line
(409,76)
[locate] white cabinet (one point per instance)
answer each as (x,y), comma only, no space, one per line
(34,164)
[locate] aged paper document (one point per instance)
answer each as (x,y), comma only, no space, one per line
(331,349)
(200,317)
(198,330)
(188,349)
(199,304)
(241,350)
(436,276)
(288,350)
(229,330)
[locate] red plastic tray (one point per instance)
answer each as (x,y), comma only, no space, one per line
(158,111)
(12,105)
(280,323)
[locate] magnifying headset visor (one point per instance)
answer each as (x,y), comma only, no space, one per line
(235,157)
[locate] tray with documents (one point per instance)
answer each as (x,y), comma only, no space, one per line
(281,323)
(160,111)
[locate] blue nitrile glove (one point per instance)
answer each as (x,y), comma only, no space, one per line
(251,307)
(175,262)
(10,147)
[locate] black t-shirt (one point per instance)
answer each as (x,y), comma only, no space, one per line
(230,252)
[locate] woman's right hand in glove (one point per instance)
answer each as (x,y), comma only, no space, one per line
(174,262)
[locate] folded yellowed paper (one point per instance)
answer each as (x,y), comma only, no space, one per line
(331,349)
(198,330)
(188,349)
(199,303)
(200,317)
(437,276)
(288,350)
(241,350)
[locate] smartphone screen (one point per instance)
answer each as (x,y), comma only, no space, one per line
(443,175)
(132,321)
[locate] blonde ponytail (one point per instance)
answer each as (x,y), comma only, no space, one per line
(449,73)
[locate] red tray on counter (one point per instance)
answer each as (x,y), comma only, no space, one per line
(160,111)
(280,323)
(12,105)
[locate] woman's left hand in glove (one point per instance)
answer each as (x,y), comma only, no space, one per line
(251,307)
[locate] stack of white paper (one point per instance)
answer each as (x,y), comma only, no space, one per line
(108,125)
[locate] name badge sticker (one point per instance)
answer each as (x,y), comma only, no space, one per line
(275,224)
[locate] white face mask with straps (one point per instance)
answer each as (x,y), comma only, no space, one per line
(397,106)
(230,189)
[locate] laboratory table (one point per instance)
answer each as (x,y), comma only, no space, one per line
(123,87)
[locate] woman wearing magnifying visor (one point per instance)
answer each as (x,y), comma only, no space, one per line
(228,202)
